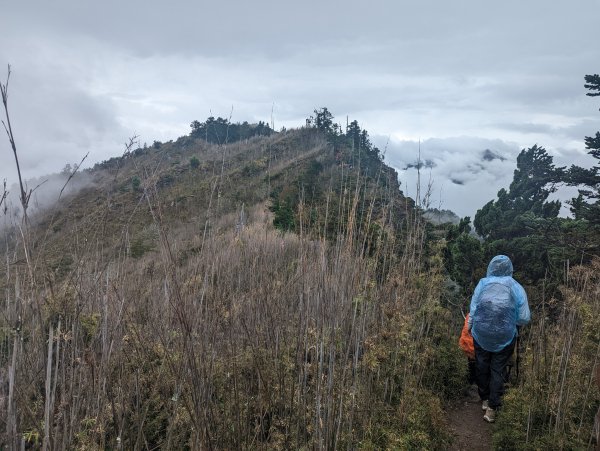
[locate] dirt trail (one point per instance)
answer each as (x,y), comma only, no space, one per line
(465,420)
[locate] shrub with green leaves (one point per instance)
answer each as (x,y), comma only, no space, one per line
(136,183)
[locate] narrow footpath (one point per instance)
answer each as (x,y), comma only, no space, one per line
(465,420)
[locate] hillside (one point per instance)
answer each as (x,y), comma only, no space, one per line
(260,293)
(191,184)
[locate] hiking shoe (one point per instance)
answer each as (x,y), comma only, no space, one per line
(485,405)
(490,415)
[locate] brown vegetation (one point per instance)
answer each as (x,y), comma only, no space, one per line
(165,313)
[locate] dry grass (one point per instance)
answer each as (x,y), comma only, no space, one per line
(181,326)
(243,338)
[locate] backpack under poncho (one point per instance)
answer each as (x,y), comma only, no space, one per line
(498,306)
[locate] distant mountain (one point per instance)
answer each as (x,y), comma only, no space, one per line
(437,216)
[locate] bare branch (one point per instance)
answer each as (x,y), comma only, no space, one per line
(128,146)
(73,174)
(4,196)
(31,191)
(24,195)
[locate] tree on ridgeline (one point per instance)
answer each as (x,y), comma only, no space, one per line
(355,138)
(355,160)
(222,131)
(587,204)
(593,84)
(353,133)
(534,180)
(518,222)
(323,120)
(524,224)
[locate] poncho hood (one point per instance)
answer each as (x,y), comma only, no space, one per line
(500,266)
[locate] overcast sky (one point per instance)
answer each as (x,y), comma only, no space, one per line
(461,76)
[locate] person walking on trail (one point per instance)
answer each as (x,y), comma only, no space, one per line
(499,304)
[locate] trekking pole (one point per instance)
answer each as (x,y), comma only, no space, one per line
(518,359)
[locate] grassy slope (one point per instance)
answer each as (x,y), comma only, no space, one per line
(111,217)
(174,327)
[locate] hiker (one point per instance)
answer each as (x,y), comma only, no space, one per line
(498,306)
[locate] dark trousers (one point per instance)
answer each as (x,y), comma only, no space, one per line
(490,372)
(472,373)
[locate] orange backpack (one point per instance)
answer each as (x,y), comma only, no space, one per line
(466,340)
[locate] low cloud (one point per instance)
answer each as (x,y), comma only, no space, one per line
(462,178)
(46,192)
(467,172)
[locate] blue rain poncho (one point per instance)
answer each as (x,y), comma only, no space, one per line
(498,306)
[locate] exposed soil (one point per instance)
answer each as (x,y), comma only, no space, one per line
(470,430)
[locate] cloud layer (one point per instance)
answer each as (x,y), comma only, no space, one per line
(463,173)
(86,76)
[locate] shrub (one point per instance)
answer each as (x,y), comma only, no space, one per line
(555,404)
(136,183)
